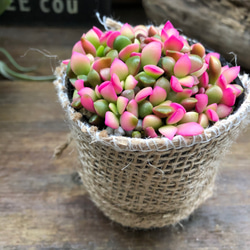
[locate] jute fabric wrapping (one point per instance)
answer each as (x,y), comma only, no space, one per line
(154,182)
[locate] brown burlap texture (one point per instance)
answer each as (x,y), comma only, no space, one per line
(144,183)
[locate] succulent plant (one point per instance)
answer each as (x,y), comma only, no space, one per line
(150,82)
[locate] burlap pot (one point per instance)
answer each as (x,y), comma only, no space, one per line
(144,183)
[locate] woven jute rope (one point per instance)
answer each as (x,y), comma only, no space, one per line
(153,182)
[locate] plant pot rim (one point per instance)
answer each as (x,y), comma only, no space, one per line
(220,128)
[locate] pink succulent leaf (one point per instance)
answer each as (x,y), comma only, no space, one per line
(79,84)
(78,48)
(198,49)
(177,106)
(152,31)
(202,101)
(163,110)
(203,120)
(80,63)
(127,30)
(101,63)
(135,54)
(153,71)
(121,104)
(224,110)
(187,81)
(66,62)
(132,107)
(168,25)
(148,40)
(195,90)
(93,38)
(151,121)
(196,63)
(105,74)
(104,37)
(196,80)
(204,79)
(173,32)
(120,68)
(88,91)
(128,121)
(167,103)
(158,96)
(189,129)
(107,90)
(201,91)
(176,116)
(111,120)
(125,53)
(212,115)
(173,43)
(189,103)
(199,72)
(88,103)
(111,38)
(143,94)
(164,35)
(224,68)
(130,82)
(229,97)
(212,106)
(231,73)
(88,47)
(91,58)
(97,31)
(238,90)
(207,57)
(141,30)
(176,55)
(175,84)
(168,131)
(151,54)
(186,47)
(116,83)
(150,132)
(214,70)
(182,66)
(186,93)
(222,82)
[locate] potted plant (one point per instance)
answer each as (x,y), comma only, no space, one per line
(151,112)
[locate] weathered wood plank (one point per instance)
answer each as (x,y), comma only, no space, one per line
(223,25)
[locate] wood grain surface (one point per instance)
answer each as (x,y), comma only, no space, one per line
(42,206)
(223,25)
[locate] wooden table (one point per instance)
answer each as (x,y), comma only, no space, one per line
(43,207)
